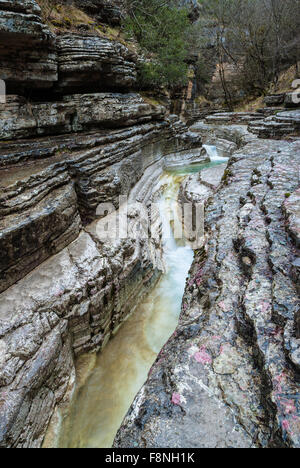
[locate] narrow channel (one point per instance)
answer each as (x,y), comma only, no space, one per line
(119,372)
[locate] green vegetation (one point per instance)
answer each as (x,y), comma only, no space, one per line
(162,31)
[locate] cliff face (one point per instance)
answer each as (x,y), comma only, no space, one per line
(73,135)
(27,51)
(229,376)
(106,11)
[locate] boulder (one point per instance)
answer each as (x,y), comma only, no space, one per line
(292,99)
(274,100)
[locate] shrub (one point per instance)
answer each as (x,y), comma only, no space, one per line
(161,30)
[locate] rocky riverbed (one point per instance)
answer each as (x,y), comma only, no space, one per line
(229,376)
(75,135)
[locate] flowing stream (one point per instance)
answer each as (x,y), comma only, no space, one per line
(101,403)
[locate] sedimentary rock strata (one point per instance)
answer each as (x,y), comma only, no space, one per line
(32,58)
(27,52)
(81,112)
(229,377)
(72,302)
(288,99)
(292,211)
(83,143)
(87,61)
(233,117)
(274,100)
(72,178)
(277,126)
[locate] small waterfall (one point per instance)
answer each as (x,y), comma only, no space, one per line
(213,154)
(120,370)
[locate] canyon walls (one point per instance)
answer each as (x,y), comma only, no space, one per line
(229,376)
(73,135)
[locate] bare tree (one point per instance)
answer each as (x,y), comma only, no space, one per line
(258,37)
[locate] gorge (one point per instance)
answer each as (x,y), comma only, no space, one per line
(140,341)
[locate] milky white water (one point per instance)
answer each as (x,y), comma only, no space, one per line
(213,154)
(121,369)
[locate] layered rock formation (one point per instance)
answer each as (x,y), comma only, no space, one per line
(112,11)
(76,113)
(265,123)
(88,61)
(278,126)
(75,138)
(63,154)
(27,51)
(229,376)
(290,99)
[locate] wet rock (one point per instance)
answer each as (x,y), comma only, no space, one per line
(75,288)
(292,212)
(77,298)
(291,117)
(236,341)
(292,99)
(192,6)
(31,232)
(44,206)
(213,175)
(234,134)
